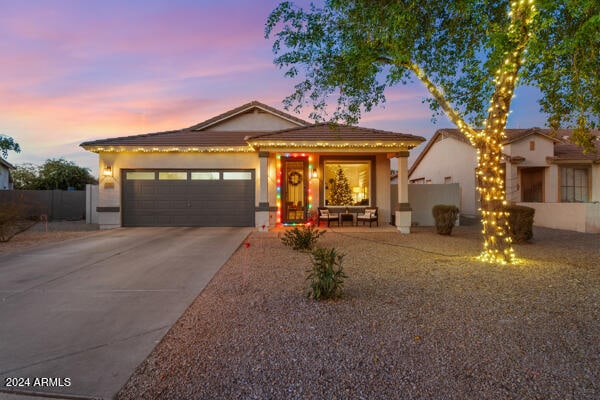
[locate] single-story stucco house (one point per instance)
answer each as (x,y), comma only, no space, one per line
(250,166)
(543,170)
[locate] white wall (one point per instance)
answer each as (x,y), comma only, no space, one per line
(580,217)
(512,184)
(91,203)
(552,191)
(422,198)
(544,147)
(253,121)
(4,185)
(451,157)
(382,190)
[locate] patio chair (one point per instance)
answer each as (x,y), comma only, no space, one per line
(325,215)
(370,215)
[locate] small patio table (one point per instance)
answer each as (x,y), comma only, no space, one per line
(346,217)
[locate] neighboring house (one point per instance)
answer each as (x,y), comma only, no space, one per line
(6,180)
(251,166)
(543,170)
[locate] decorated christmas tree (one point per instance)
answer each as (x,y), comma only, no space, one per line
(340,194)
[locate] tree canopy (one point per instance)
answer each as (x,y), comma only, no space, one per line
(7,143)
(469,54)
(53,174)
(352,51)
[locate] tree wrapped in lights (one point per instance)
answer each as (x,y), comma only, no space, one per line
(340,193)
(470,55)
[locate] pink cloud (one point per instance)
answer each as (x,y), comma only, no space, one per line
(79,70)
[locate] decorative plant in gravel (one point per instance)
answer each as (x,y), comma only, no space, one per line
(302,239)
(445,218)
(326,277)
(520,221)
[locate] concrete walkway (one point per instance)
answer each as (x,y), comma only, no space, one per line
(91,309)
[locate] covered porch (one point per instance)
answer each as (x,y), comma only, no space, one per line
(323,165)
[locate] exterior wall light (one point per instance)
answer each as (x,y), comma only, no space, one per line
(315,174)
(107,170)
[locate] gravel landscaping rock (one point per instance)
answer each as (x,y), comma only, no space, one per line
(420,318)
(40,233)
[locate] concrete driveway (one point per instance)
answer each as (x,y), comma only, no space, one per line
(91,309)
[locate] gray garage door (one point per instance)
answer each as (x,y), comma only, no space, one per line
(188,198)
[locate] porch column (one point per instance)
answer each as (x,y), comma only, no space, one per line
(403,210)
(262,211)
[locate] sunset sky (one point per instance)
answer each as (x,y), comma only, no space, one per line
(78,70)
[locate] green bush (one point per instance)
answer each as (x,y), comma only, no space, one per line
(445,218)
(326,277)
(520,221)
(302,239)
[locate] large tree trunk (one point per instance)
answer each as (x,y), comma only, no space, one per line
(488,142)
(497,245)
(490,174)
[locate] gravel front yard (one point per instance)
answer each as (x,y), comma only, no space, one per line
(420,319)
(40,233)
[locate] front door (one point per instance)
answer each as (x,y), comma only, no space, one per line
(294,190)
(532,183)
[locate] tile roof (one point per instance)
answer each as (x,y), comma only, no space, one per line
(6,163)
(563,148)
(195,135)
(183,137)
(245,108)
(332,132)
(193,138)
(512,134)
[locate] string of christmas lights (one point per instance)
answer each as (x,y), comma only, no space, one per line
(279,191)
(488,141)
(497,247)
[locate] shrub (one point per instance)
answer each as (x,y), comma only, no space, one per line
(302,239)
(520,222)
(326,277)
(10,215)
(445,218)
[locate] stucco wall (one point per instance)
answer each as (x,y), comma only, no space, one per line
(552,191)
(4,178)
(533,158)
(580,217)
(253,121)
(512,185)
(382,190)
(111,197)
(422,198)
(91,203)
(456,159)
(595,194)
(315,183)
(543,147)
(592,219)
